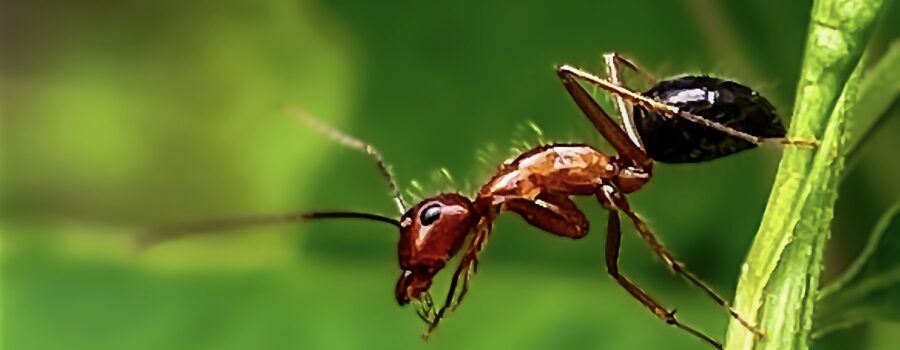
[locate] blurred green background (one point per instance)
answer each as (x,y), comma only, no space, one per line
(117,114)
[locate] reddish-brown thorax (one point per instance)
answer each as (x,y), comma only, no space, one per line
(565,169)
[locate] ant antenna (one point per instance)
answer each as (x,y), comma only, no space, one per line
(357,144)
(161,234)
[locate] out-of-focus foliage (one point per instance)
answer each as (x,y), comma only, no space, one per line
(870,288)
(122,113)
(879,91)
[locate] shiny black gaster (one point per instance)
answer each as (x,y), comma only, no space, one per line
(676,140)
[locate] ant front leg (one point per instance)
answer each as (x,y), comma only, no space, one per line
(551,212)
(459,284)
(613,200)
(554,213)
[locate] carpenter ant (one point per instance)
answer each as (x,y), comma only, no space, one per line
(680,120)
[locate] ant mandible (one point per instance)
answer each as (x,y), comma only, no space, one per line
(679,120)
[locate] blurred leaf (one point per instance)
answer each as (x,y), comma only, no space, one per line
(870,288)
(878,92)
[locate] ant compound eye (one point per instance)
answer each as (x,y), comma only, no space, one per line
(430,214)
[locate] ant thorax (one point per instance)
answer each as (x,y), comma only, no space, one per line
(573,169)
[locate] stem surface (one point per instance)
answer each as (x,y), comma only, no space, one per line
(780,278)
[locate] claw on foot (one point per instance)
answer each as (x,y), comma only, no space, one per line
(793,142)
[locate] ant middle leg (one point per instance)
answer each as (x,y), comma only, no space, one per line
(613,200)
(553,213)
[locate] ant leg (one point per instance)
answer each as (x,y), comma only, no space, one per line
(669,110)
(459,285)
(613,244)
(602,122)
(553,213)
(482,230)
(611,197)
(613,60)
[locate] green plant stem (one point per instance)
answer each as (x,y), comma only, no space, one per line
(779,280)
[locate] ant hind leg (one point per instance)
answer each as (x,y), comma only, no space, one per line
(613,201)
(784,141)
(670,110)
(612,132)
(613,245)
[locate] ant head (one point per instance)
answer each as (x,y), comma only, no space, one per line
(431,232)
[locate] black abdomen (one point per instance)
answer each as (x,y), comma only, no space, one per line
(676,140)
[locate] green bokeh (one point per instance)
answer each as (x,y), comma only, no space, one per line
(121,113)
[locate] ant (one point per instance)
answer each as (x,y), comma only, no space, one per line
(679,120)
